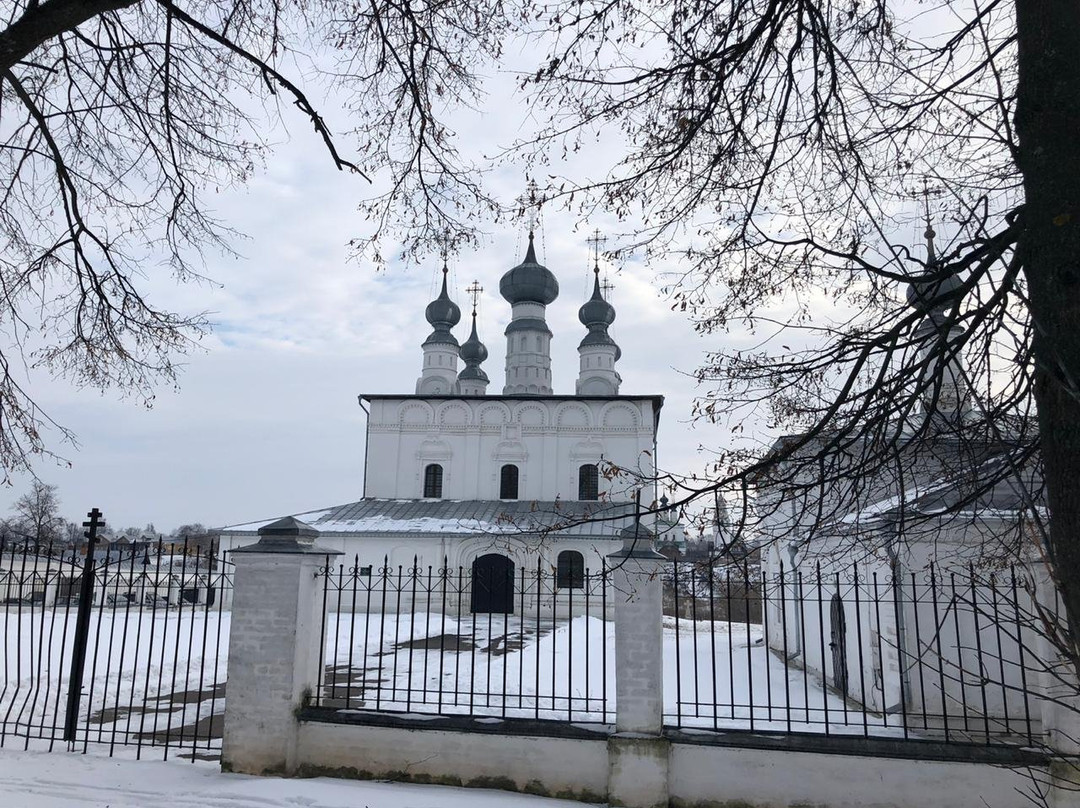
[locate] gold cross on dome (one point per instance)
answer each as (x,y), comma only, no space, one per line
(474,290)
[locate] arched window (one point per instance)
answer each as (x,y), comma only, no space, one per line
(433,481)
(588,482)
(570,572)
(508,482)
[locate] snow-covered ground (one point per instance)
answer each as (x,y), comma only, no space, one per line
(163,678)
(63,780)
(148,672)
(716,675)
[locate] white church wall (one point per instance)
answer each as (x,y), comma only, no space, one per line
(962,652)
(396,555)
(472,438)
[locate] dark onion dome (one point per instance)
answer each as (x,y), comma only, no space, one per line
(596,310)
(596,315)
(473,351)
(529,281)
(932,291)
(442,311)
(473,373)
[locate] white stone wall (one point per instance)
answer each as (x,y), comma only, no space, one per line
(458,553)
(457,550)
(570,767)
(875,635)
(471,438)
(769,778)
(698,774)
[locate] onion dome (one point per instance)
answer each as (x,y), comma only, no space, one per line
(933,291)
(597,311)
(596,315)
(529,281)
(473,352)
(443,314)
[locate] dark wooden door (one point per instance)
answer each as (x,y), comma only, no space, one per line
(838,644)
(493,584)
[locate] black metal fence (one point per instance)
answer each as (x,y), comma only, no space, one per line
(484,641)
(126,649)
(953,656)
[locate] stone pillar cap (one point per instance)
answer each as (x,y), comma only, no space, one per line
(289,526)
(637,543)
(287,535)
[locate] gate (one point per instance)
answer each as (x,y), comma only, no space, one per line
(114,648)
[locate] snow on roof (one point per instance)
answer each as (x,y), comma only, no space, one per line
(461,517)
(987,493)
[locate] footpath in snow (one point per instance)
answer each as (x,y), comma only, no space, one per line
(71,780)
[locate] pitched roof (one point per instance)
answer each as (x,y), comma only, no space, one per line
(1000,487)
(573,519)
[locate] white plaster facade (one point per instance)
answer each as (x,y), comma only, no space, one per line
(548,438)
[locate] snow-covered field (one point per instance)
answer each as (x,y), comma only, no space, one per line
(163,678)
(715,674)
(148,674)
(62,780)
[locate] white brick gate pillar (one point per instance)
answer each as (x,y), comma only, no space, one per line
(1061,707)
(275,646)
(638,752)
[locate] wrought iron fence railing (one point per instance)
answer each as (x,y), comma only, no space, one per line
(484,641)
(951,656)
(146,670)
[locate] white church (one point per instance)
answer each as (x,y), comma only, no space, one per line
(492,484)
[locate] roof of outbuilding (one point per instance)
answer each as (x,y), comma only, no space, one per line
(992,490)
(573,519)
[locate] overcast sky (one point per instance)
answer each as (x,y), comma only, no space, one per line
(265,421)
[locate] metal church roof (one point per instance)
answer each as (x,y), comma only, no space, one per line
(572,519)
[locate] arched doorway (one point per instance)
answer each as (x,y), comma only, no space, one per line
(493,584)
(838,644)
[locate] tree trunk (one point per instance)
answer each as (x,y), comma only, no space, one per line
(1048,127)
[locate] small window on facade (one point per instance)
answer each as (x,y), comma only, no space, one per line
(508,482)
(588,485)
(570,572)
(433,481)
